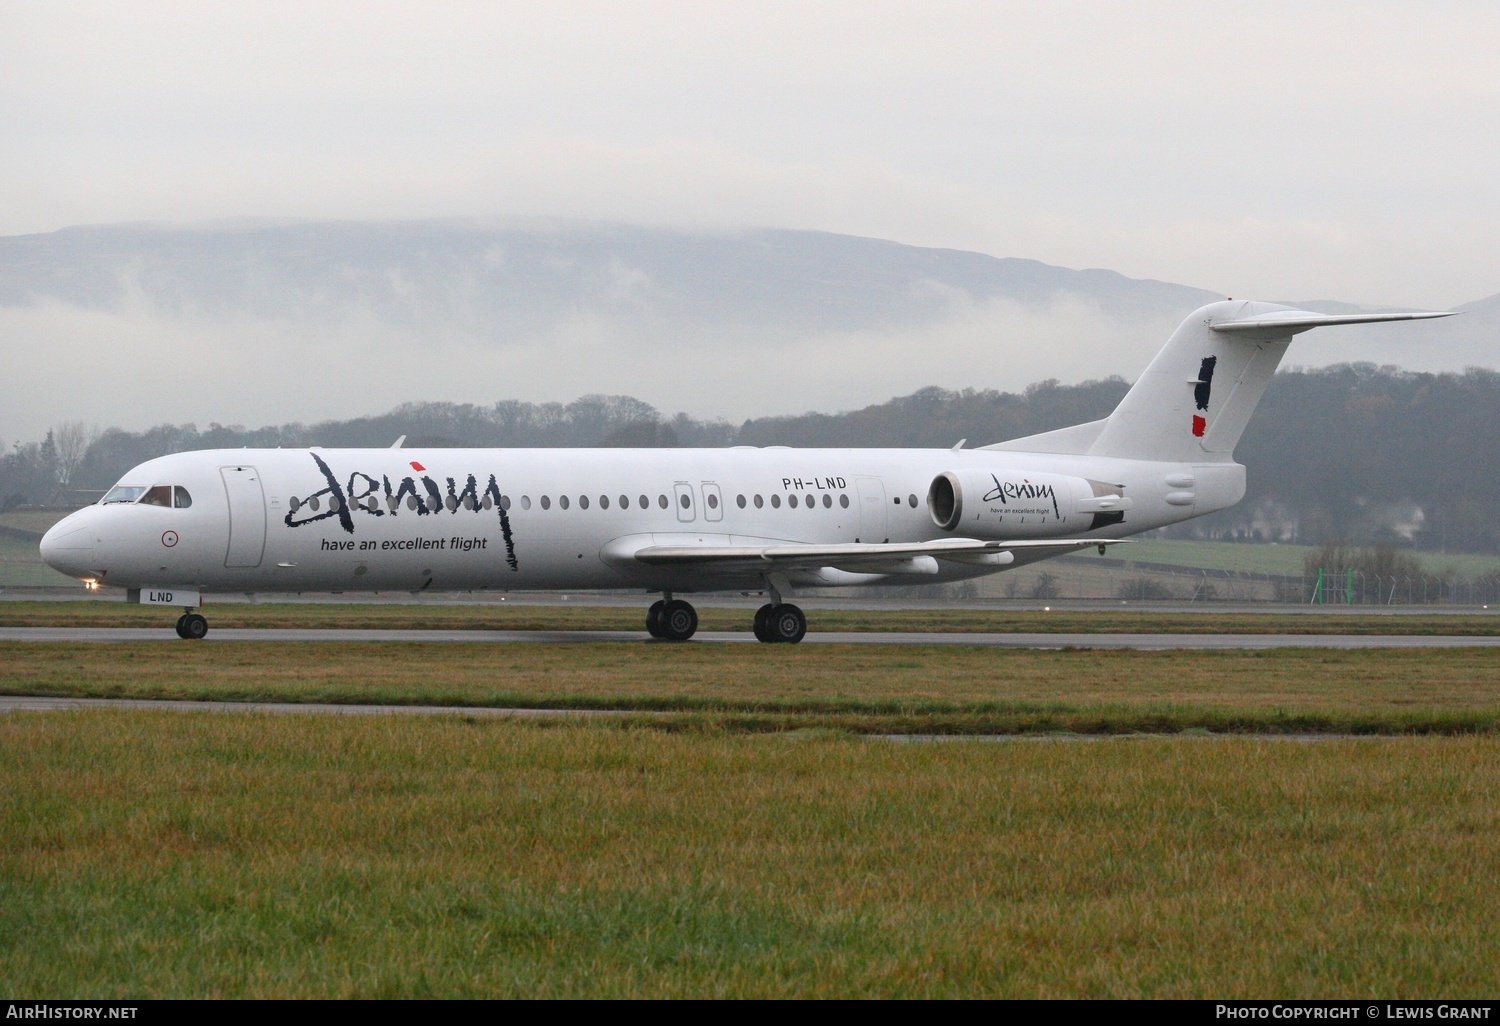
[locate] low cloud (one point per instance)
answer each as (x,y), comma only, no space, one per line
(138,365)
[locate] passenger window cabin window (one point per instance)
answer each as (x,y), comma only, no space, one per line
(911,500)
(604,502)
(624,502)
(525,502)
(844,501)
(546,502)
(791,500)
(739,500)
(775,502)
(562,501)
(661,500)
(583,502)
(759,502)
(810,503)
(713,501)
(828,502)
(684,500)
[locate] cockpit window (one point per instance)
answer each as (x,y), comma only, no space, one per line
(157,495)
(125,493)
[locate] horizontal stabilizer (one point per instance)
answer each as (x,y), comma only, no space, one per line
(1291,322)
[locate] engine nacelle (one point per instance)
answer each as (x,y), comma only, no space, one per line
(999,505)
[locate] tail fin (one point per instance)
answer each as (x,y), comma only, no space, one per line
(1194,400)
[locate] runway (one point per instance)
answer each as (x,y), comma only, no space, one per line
(1145,642)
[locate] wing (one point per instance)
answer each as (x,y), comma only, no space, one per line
(919,558)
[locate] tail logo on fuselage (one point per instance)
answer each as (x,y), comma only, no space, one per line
(361,495)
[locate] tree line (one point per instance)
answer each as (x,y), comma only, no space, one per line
(1354,453)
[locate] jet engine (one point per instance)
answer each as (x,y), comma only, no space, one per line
(999,504)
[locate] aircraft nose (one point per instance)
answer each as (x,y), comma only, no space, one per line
(67,547)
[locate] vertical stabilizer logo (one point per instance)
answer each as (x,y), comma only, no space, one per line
(1201,389)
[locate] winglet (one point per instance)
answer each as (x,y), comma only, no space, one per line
(398,442)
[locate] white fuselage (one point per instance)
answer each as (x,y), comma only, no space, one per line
(458,519)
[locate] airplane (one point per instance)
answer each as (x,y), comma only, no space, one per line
(678,521)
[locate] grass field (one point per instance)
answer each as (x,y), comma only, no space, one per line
(518,616)
(35,521)
(1277,559)
(864,688)
(168,855)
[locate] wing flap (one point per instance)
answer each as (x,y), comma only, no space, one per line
(916,558)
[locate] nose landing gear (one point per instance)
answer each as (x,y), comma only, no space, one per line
(191,626)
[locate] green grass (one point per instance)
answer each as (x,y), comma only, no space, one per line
(162,855)
(35,521)
(1278,559)
(21,566)
(864,688)
(519,616)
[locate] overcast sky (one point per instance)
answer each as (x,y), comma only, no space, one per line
(1344,150)
(1315,149)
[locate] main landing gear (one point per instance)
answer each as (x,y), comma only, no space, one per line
(675,620)
(671,619)
(780,621)
(191,626)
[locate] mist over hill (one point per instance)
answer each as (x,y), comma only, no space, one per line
(269,321)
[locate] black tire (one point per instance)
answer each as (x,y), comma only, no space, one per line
(653,619)
(181,630)
(788,624)
(194,627)
(762,626)
(679,621)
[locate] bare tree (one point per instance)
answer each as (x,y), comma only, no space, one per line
(72,439)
